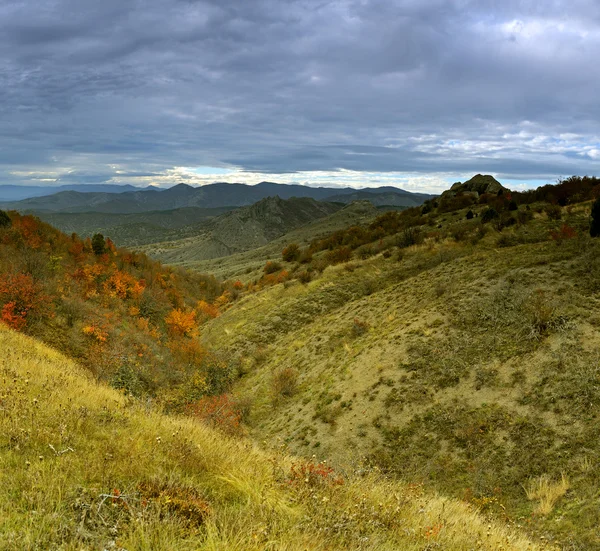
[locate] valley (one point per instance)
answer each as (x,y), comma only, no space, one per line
(450,347)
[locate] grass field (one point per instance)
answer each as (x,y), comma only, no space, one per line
(83,467)
(468,364)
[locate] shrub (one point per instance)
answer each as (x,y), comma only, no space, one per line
(5,221)
(219,412)
(285,382)
(272,267)
(305,256)
(98,244)
(595,220)
(304,276)
(512,205)
(565,232)
(553,212)
(488,215)
(359,327)
(339,255)
(470,214)
(410,236)
(291,253)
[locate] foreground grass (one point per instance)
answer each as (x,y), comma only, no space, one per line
(82,467)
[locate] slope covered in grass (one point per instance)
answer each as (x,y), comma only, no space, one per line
(468,363)
(84,468)
(243,229)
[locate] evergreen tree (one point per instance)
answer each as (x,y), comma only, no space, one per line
(98,244)
(595,222)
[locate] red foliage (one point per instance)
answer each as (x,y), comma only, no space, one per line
(20,297)
(565,232)
(219,412)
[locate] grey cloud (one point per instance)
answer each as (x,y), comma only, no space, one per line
(285,86)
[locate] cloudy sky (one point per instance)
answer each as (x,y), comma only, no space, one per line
(414,93)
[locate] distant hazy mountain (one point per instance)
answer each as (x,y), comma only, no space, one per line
(244,229)
(383,197)
(18,193)
(209,196)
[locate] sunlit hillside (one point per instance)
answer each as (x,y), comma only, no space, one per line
(457,348)
(83,467)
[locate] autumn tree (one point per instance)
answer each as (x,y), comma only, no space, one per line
(181,323)
(20,297)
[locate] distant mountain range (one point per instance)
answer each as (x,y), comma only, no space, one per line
(18,193)
(209,196)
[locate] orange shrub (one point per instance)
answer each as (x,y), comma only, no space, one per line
(122,285)
(207,310)
(219,412)
(96,332)
(181,323)
(20,297)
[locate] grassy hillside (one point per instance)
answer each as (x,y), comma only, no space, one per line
(459,353)
(243,229)
(131,321)
(84,468)
(248,265)
(128,230)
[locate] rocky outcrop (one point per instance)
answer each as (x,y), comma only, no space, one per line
(476,186)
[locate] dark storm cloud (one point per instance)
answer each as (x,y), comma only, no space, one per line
(120,90)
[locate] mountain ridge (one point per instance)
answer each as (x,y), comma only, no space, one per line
(183,195)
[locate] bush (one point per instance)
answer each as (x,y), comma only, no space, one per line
(488,215)
(5,221)
(359,327)
(98,244)
(291,253)
(304,277)
(272,267)
(410,236)
(470,214)
(595,220)
(553,212)
(337,256)
(285,382)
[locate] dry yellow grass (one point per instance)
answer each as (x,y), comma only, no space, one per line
(547,492)
(84,468)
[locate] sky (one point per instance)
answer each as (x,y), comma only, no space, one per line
(412,93)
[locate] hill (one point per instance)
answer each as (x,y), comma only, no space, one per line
(383,197)
(180,196)
(130,230)
(84,467)
(457,349)
(18,193)
(248,266)
(243,229)
(131,321)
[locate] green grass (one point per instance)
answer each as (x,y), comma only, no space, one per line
(477,370)
(82,467)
